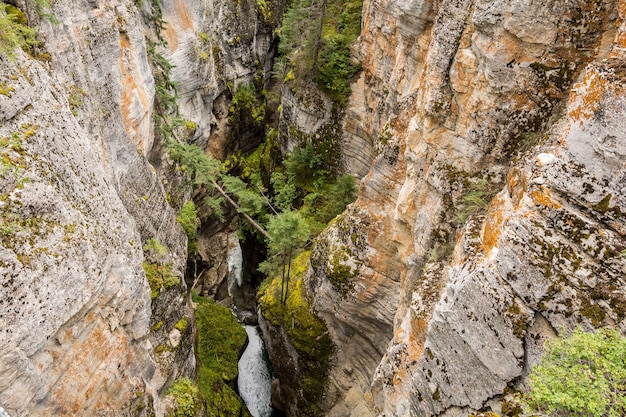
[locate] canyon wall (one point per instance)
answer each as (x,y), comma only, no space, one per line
(489,137)
(491,216)
(85,185)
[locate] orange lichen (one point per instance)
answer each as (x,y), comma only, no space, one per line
(516,184)
(621,8)
(180,21)
(493,224)
(83,382)
(183,12)
(586,96)
(542,197)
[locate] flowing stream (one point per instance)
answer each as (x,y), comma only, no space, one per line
(255,376)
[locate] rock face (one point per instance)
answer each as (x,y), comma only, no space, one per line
(82,331)
(516,106)
(78,203)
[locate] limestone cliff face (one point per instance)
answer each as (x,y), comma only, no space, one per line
(81,333)
(447,302)
(79,201)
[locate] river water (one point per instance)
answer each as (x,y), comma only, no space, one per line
(255,376)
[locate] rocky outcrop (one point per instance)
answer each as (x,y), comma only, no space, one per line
(466,99)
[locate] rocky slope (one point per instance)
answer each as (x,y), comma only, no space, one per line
(83,333)
(448,302)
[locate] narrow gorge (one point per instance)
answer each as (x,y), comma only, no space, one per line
(404,199)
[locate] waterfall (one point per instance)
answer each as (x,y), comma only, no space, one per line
(255,377)
(234,258)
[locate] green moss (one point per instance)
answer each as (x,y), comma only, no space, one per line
(6,90)
(157,326)
(188,219)
(159,277)
(186,396)
(181,324)
(160,349)
(308,334)
(338,272)
(603,205)
(220,342)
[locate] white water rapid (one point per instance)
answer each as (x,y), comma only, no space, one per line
(234,258)
(255,378)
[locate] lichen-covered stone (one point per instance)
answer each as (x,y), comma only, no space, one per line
(469,91)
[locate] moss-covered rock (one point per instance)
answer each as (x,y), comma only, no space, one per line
(305,331)
(220,342)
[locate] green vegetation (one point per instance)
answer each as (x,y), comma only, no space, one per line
(188,219)
(14,31)
(154,249)
(474,200)
(583,375)
(308,333)
(220,342)
(287,234)
(187,397)
(158,273)
(247,99)
(159,277)
(315,41)
(75,99)
(307,184)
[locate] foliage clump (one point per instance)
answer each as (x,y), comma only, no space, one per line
(158,272)
(14,31)
(583,375)
(187,397)
(315,41)
(188,219)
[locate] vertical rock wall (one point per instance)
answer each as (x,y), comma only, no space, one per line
(81,334)
(463,100)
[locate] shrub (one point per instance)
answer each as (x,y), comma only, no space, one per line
(583,375)
(14,31)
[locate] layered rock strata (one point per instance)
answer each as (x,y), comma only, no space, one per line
(82,193)
(467,100)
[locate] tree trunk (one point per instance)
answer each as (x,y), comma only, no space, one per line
(288,274)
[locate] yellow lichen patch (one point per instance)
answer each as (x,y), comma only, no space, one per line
(493,224)
(542,197)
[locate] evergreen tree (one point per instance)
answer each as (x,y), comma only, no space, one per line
(287,232)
